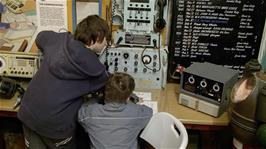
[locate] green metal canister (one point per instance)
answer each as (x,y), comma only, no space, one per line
(261,105)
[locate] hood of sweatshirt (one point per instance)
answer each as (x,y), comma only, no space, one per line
(72,60)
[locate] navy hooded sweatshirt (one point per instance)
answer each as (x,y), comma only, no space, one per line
(54,95)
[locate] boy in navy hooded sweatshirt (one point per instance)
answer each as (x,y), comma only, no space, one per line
(70,69)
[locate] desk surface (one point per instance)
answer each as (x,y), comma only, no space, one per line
(167,102)
(8,104)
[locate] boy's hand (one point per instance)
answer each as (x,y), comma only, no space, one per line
(141,101)
(134,98)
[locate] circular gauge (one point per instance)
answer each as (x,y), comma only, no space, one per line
(117,19)
(2,63)
(146,59)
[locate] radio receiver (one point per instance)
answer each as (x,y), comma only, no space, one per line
(204,87)
(18,64)
(148,66)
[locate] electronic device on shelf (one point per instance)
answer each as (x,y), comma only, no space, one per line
(205,86)
(18,64)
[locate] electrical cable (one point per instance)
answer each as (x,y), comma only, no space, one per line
(145,65)
(21,92)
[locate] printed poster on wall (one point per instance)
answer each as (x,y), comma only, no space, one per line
(21,20)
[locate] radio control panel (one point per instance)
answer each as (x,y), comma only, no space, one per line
(18,64)
(148,66)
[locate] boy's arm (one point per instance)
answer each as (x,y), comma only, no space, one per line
(85,109)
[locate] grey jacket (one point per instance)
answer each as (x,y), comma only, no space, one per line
(114,125)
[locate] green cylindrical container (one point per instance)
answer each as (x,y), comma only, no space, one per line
(261,105)
(261,135)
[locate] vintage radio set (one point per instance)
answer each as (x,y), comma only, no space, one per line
(148,66)
(204,87)
(138,46)
(142,21)
(18,64)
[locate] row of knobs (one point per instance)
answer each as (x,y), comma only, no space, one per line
(204,84)
(146,60)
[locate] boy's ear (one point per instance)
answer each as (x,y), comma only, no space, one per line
(89,43)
